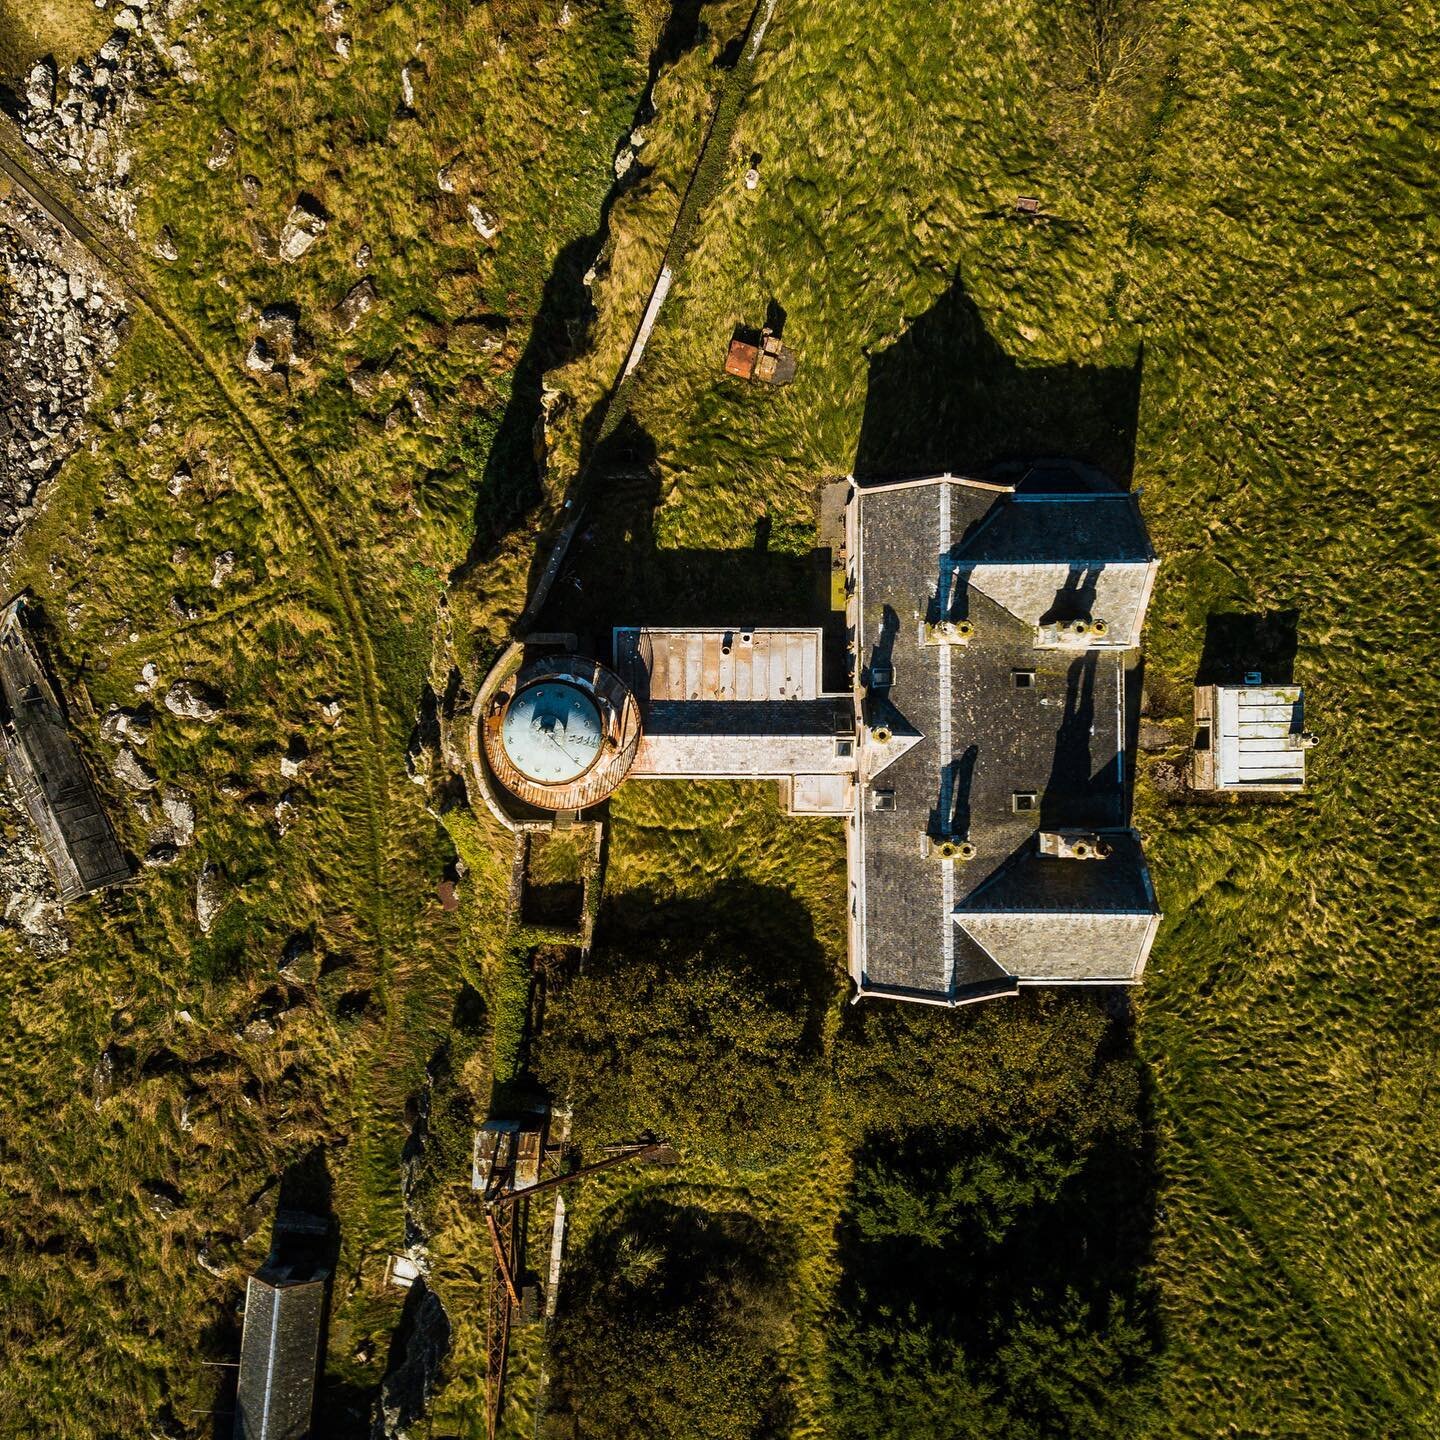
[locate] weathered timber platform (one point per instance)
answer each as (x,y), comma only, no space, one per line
(49,772)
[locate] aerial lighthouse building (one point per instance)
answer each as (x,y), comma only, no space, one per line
(979,752)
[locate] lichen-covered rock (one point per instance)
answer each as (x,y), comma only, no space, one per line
(222,152)
(223,569)
(193,700)
(125,727)
(259,358)
(161,1198)
(304,225)
(179,812)
(298,961)
(211,890)
(359,301)
(287,810)
(40,85)
(132,772)
(486,222)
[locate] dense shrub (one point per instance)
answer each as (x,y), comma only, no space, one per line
(698,1031)
(672,1328)
(995,1248)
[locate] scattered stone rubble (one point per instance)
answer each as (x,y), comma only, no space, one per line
(31,906)
(304,225)
(56,328)
(80,121)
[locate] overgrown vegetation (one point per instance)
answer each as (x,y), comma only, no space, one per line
(159,1058)
(673,1327)
(702,1024)
(1038,1218)
(1222,302)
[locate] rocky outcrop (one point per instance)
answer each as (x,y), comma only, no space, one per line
(192,700)
(56,329)
(31,906)
(79,121)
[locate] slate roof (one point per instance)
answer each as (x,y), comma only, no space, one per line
(49,772)
(279,1355)
(949,930)
(1054,558)
(1076,529)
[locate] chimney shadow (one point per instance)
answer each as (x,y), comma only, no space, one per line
(945,396)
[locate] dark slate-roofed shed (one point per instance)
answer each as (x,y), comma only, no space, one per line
(279,1354)
(49,773)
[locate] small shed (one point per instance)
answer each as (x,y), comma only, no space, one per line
(759,355)
(279,1353)
(1250,737)
(507,1154)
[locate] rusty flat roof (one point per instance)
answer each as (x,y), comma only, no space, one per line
(719,663)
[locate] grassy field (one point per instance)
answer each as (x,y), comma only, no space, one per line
(168,1085)
(1225,302)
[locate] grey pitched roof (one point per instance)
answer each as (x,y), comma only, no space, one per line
(50,773)
(1042,918)
(1059,529)
(279,1356)
(1059,558)
(981,741)
(1032,883)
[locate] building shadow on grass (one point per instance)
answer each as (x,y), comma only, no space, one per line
(946,397)
(618,573)
(1001,1268)
(510,481)
(1237,645)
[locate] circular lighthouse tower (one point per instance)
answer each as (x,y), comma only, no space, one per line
(562,734)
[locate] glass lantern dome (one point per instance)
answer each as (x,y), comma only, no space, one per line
(552,732)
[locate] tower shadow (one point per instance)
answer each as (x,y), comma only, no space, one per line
(945,396)
(509,483)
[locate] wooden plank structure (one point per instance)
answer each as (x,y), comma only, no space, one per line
(49,772)
(759,355)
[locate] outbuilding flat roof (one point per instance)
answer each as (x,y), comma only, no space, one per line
(1257,735)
